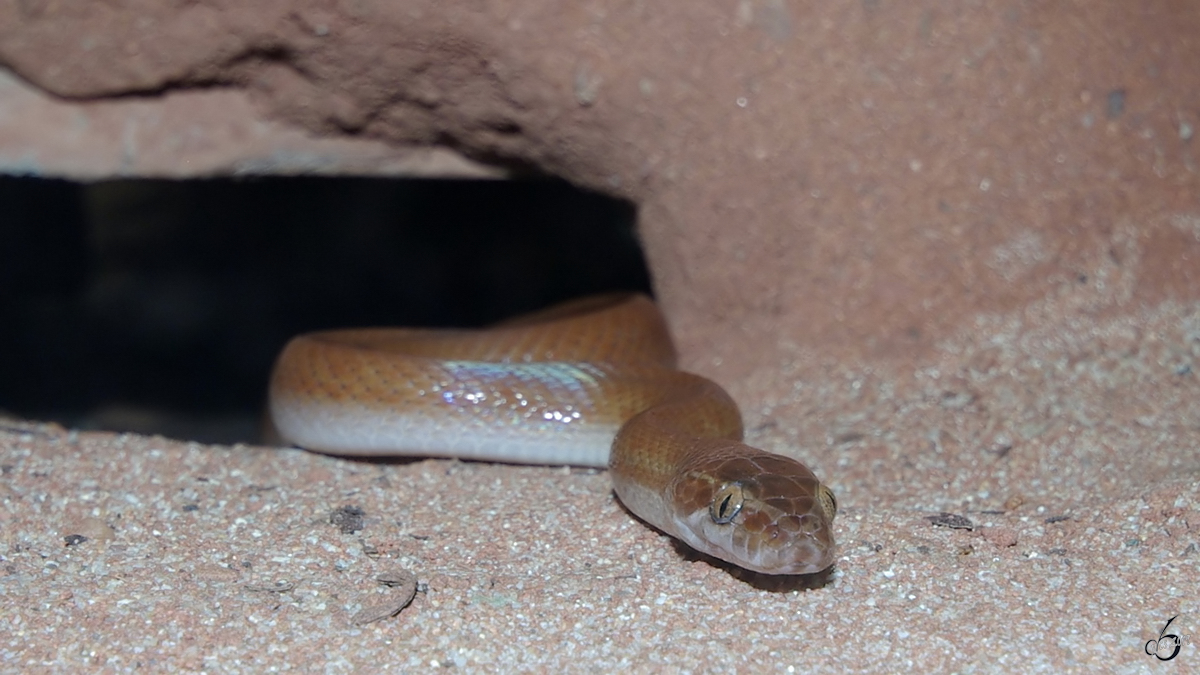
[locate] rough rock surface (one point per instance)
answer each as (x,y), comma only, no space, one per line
(947,253)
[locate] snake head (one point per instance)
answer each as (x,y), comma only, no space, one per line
(764,512)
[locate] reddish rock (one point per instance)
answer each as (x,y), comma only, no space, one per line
(854,176)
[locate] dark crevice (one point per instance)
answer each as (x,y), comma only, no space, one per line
(157,306)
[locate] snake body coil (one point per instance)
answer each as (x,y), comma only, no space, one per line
(589,383)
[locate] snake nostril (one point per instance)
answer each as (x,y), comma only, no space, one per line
(726,504)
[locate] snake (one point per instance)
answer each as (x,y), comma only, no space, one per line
(591,382)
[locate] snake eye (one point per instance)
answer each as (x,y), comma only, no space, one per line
(828,500)
(726,504)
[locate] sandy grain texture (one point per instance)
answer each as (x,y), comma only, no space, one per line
(1069,447)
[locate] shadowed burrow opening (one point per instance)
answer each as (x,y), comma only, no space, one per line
(158,306)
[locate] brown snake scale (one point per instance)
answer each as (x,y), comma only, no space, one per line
(591,382)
